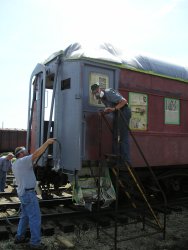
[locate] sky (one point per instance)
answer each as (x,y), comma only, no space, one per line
(32,30)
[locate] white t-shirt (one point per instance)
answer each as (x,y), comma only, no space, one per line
(23,171)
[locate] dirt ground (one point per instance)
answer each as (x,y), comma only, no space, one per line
(176,237)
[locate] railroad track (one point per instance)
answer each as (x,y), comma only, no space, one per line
(61,213)
(10,203)
(53,212)
(57,213)
(63,206)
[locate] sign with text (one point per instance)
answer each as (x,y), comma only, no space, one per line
(172,111)
(139,108)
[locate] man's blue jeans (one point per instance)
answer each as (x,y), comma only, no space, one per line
(2,180)
(122,130)
(30,215)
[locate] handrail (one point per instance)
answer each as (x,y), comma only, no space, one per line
(144,158)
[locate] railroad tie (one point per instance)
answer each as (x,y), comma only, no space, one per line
(65,242)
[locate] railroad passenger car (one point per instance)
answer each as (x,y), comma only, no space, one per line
(61,105)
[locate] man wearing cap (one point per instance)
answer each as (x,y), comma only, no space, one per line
(113,102)
(5,166)
(26,182)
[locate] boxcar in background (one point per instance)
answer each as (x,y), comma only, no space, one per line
(11,138)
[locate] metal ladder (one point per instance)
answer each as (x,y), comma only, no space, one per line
(133,175)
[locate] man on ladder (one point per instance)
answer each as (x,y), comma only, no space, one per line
(113,102)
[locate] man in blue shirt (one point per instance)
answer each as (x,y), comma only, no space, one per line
(26,183)
(114,101)
(5,166)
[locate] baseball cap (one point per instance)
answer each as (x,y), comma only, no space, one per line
(19,150)
(10,154)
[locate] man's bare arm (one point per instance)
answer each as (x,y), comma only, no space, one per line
(38,152)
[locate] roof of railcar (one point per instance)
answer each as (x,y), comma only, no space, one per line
(109,54)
